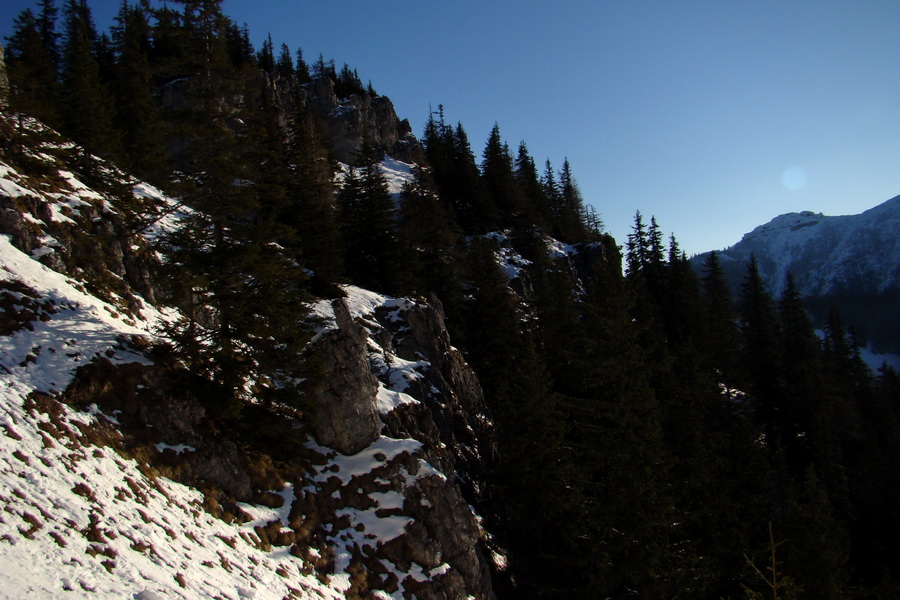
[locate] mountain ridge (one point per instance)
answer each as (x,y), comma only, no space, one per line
(849,261)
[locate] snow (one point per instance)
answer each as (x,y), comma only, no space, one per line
(8,186)
(825,252)
(80,519)
(83,327)
(396,173)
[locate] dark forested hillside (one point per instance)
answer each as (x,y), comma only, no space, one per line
(645,435)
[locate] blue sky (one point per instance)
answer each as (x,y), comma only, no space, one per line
(713,116)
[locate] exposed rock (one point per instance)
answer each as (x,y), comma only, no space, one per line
(347,121)
(4,81)
(451,418)
(345,418)
(155,406)
(344,122)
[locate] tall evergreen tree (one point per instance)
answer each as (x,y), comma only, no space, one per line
(368,215)
(311,210)
(285,65)
(240,294)
(760,350)
(137,116)
(719,326)
(32,70)
(497,171)
(87,109)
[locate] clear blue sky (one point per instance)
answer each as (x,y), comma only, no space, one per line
(713,116)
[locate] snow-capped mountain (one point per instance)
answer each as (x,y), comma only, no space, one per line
(851,262)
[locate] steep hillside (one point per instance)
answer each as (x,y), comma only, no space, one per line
(852,262)
(122,479)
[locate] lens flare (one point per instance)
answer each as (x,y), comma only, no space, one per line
(794,178)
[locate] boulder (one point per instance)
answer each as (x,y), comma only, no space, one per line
(345,417)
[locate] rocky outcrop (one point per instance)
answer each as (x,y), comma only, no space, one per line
(346,122)
(4,82)
(450,395)
(345,417)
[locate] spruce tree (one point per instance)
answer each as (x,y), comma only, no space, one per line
(32,70)
(761,351)
(497,171)
(241,295)
(368,216)
(285,64)
(616,431)
(87,107)
(137,117)
(265,58)
(719,325)
(311,211)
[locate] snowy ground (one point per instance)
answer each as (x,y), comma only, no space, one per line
(80,519)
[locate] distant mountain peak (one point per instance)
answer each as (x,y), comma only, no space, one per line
(849,261)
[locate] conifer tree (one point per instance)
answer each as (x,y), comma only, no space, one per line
(32,70)
(87,108)
(240,293)
(47,30)
(497,171)
(285,65)
(570,215)
(530,191)
(537,518)
(368,215)
(760,350)
(311,211)
(136,112)
(719,327)
(265,58)
(616,431)
(802,366)
(302,69)
(427,230)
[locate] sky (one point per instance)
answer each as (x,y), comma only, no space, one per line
(712,116)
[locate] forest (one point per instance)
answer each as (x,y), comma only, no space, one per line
(657,434)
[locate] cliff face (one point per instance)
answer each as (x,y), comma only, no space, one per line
(121,463)
(344,122)
(347,121)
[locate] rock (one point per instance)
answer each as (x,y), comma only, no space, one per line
(346,418)
(4,81)
(347,121)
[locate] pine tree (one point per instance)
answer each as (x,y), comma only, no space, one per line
(537,517)
(285,65)
(240,294)
(803,382)
(302,68)
(570,215)
(760,351)
(32,70)
(530,191)
(497,172)
(718,327)
(617,436)
(87,109)
(137,116)
(47,30)
(368,215)
(427,231)
(265,58)
(311,211)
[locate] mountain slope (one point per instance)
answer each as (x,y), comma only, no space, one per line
(852,262)
(120,477)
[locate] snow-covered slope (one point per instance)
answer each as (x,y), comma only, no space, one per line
(825,254)
(90,509)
